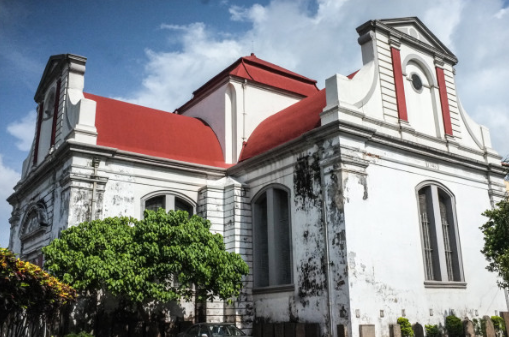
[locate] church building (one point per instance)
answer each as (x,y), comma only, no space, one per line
(353,205)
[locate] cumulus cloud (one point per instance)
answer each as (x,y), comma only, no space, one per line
(8,178)
(23,130)
(318,39)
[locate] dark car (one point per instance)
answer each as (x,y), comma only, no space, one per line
(212,330)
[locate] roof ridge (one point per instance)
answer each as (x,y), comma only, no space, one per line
(245,68)
(274,67)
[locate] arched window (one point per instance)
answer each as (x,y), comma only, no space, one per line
(440,237)
(167,201)
(272,238)
(32,229)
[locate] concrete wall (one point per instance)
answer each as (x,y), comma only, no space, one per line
(234,109)
(385,254)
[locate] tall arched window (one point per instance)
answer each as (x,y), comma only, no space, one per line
(168,201)
(32,229)
(272,238)
(440,237)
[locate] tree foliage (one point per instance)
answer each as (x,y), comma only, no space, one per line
(496,241)
(454,326)
(406,327)
(28,291)
(158,258)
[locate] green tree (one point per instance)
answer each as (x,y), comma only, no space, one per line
(454,326)
(158,258)
(496,241)
(406,327)
(28,294)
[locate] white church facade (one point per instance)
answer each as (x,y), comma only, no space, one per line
(353,205)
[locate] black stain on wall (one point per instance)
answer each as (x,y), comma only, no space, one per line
(306,179)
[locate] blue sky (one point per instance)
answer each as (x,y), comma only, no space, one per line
(157,52)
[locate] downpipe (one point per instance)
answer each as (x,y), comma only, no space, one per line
(327,252)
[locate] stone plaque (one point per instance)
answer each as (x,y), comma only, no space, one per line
(469,329)
(367,330)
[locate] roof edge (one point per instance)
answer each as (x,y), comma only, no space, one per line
(54,65)
(385,25)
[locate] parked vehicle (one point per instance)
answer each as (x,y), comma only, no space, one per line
(212,330)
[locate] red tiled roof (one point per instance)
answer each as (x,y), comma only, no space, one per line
(138,129)
(285,125)
(257,70)
(352,75)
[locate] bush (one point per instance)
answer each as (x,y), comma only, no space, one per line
(406,327)
(454,326)
(27,289)
(478,326)
(432,330)
(81,334)
(499,325)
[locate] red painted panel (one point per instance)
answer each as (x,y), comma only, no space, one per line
(398,81)
(157,133)
(55,114)
(444,101)
(38,132)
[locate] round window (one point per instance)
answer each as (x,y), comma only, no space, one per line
(416,82)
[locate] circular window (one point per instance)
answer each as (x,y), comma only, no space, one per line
(416,82)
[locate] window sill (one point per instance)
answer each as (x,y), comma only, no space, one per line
(274,289)
(440,284)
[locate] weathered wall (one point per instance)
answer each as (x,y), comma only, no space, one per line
(302,173)
(385,259)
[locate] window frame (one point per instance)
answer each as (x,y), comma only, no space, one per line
(272,288)
(436,191)
(170,200)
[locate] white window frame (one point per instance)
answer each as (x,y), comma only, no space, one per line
(435,237)
(170,198)
(273,263)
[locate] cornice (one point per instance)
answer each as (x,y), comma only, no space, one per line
(381,25)
(70,147)
(370,135)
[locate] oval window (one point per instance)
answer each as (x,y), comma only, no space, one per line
(416,82)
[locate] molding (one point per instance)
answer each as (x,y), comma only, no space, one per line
(37,232)
(371,135)
(445,285)
(70,148)
(274,289)
(383,26)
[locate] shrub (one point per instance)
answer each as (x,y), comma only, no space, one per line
(81,334)
(499,325)
(27,289)
(406,327)
(478,326)
(432,330)
(454,326)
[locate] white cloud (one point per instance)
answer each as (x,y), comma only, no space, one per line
(8,178)
(500,14)
(322,42)
(23,130)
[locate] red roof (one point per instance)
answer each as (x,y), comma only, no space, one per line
(138,129)
(285,125)
(257,70)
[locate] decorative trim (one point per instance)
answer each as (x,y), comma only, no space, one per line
(38,133)
(274,289)
(445,285)
(55,113)
(398,83)
(444,101)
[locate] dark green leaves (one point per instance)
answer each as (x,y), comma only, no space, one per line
(166,256)
(496,241)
